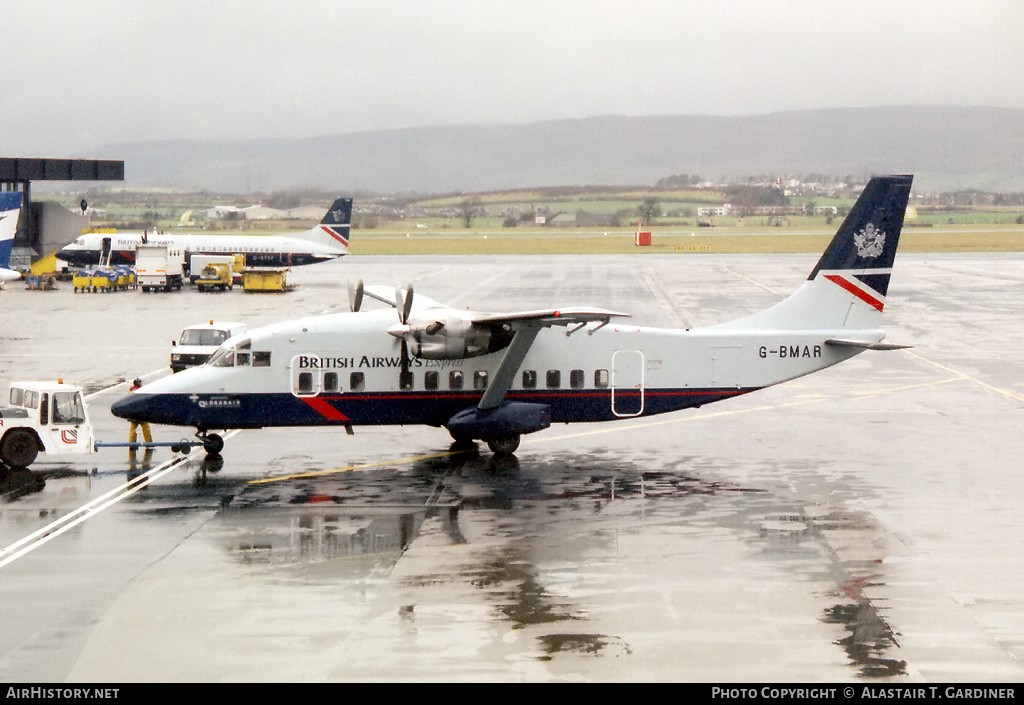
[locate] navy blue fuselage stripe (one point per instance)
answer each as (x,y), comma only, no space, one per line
(434,409)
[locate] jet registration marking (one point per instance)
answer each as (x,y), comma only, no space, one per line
(790,351)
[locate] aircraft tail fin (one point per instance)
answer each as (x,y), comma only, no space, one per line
(847,288)
(10,209)
(334,228)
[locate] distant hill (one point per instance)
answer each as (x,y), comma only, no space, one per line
(947,148)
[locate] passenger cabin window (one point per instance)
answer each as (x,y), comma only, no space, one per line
(330,381)
(431,380)
(405,380)
(601,378)
(455,379)
(480,379)
(529,379)
(576,378)
(357,381)
(554,379)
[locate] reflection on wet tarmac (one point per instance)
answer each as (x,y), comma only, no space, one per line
(359,525)
(870,638)
(16,483)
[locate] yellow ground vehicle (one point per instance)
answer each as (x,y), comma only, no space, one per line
(265,279)
(215,276)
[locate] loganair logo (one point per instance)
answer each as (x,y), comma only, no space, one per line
(216,402)
(69,436)
(869,241)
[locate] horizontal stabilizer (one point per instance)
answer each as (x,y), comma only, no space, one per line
(866,346)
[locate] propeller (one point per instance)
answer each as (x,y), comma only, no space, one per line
(410,331)
(403,304)
(355,295)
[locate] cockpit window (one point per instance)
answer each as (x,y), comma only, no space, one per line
(236,354)
(223,357)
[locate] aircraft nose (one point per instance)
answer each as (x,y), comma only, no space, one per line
(133,407)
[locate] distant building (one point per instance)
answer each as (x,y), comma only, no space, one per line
(724,209)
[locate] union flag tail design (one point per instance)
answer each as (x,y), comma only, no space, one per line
(847,288)
(334,228)
(860,256)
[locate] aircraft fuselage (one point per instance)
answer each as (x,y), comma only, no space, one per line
(259,251)
(342,369)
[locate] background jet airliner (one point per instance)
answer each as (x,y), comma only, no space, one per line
(10,209)
(494,377)
(326,241)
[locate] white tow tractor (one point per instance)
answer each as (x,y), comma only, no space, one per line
(43,416)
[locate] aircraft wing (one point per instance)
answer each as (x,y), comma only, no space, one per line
(866,346)
(548,317)
(527,324)
(543,317)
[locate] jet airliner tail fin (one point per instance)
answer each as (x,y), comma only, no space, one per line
(333,229)
(847,288)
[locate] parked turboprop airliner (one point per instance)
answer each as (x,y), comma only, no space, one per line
(494,377)
(10,209)
(326,241)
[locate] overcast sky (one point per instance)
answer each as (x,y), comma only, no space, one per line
(79,75)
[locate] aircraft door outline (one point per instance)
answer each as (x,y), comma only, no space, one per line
(627,383)
(311,381)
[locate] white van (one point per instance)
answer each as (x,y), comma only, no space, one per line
(198,342)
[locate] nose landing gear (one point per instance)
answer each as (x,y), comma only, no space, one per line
(213,443)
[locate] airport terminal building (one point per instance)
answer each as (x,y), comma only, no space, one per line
(45,227)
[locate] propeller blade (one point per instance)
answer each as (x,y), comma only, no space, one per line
(407,304)
(355,295)
(405,356)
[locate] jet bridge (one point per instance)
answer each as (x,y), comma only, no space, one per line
(45,227)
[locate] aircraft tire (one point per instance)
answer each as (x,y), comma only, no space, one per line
(19,448)
(505,445)
(213,444)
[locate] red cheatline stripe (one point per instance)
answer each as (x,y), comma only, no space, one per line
(859,293)
(333,233)
(324,409)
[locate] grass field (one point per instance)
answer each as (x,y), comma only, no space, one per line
(571,241)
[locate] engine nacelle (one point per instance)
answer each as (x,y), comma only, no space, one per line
(455,340)
(509,418)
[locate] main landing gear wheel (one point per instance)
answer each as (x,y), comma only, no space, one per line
(505,445)
(213,444)
(19,448)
